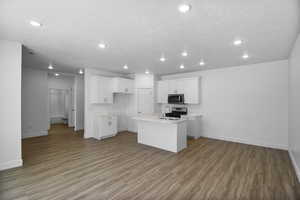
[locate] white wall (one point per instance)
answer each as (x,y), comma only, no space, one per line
(294,106)
(61,82)
(34,103)
(10,104)
(247,104)
(79,102)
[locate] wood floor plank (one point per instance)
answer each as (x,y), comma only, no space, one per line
(63,166)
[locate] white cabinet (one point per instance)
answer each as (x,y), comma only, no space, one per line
(105,126)
(162,92)
(176,86)
(100,91)
(190,87)
(123,85)
(191,90)
(145,101)
(194,126)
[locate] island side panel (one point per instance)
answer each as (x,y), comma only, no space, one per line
(181,136)
(159,135)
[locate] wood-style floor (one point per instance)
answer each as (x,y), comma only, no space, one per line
(65,166)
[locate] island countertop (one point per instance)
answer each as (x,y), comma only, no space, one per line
(158,119)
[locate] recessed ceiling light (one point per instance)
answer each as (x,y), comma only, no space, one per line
(56,74)
(181,67)
(184,8)
(80,71)
(202,63)
(35,23)
(147,72)
(50,67)
(102,45)
(162,59)
(245,56)
(237,42)
(125,67)
(184,54)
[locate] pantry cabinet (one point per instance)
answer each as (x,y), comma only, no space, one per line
(162,92)
(100,91)
(190,87)
(191,90)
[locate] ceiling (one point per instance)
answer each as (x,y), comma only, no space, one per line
(138,32)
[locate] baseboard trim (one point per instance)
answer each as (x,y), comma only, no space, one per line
(237,140)
(34,134)
(11,164)
(296,167)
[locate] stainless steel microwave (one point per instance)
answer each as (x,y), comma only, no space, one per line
(176,98)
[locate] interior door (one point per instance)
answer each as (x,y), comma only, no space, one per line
(145,101)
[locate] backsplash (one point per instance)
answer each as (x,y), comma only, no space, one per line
(191,108)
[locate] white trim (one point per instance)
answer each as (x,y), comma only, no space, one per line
(243,141)
(297,169)
(34,134)
(11,164)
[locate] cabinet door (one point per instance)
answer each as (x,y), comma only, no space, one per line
(191,90)
(94,90)
(100,90)
(172,87)
(105,90)
(162,92)
(181,86)
(176,86)
(127,86)
(109,126)
(123,85)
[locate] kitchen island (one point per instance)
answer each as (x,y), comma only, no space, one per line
(165,133)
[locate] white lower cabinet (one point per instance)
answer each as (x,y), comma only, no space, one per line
(105,126)
(194,126)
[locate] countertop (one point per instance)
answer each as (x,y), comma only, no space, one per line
(191,116)
(156,119)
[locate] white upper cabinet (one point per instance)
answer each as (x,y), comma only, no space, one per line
(100,90)
(162,92)
(172,86)
(123,85)
(190,87)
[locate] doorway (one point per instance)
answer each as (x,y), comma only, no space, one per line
(66,101)
(60,106)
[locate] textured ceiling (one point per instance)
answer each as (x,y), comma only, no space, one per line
(139,32)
